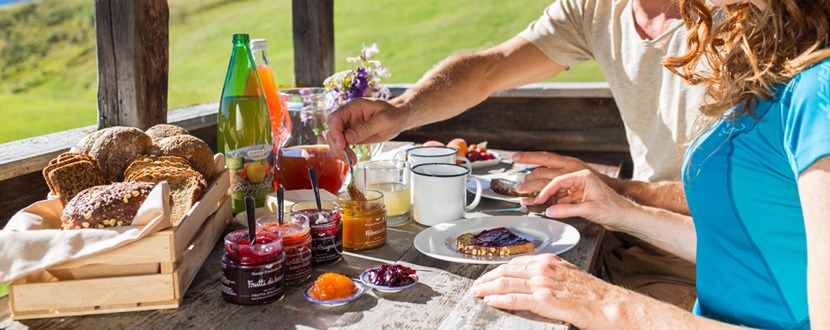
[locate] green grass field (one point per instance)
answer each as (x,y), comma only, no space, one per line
(4,289)
(48,79)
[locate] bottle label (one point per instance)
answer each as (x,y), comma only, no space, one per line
(252,174)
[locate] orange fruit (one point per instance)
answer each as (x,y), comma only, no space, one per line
(460,145)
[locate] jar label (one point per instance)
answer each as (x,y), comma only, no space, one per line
(252,174)
(326,245)
(252,285)
(297,262)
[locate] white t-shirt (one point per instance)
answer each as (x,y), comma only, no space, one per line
(657,107)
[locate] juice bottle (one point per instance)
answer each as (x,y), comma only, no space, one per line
(244,129)
(280,125)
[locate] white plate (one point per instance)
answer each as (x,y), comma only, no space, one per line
(548,236)
(487,192)
(486,163)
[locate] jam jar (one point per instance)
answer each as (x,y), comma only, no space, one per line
(296,241)
(364,222)
(253,274)
(326,229)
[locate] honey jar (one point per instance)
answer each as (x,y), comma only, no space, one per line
(364,222)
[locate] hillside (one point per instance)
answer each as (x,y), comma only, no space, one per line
(48,78)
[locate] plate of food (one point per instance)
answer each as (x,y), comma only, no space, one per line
(500,186)
(477,153)
(495,240)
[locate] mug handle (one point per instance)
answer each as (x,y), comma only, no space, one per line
(465,161)
(478,193)
(400,155)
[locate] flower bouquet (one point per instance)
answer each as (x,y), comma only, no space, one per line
(362,81)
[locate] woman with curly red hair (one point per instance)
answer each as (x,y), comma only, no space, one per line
(755,177)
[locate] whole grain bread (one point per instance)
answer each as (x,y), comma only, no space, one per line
(114,147)
(161,131)
(196,151)
(106,205)
(186,186)
(144,161)
(507,187)
(473,244)
(73,174)
(64,159)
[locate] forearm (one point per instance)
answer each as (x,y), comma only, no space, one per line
(668,195)
(672,232)
(626,309)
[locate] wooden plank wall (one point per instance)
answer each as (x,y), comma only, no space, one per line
(313,23)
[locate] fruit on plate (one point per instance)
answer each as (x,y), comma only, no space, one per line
(391,275)
(433,143)
(460,145)
(477,152)
(332,286)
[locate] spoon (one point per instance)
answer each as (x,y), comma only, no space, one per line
(352,188)
(249,210)
(280,204)
(312,174)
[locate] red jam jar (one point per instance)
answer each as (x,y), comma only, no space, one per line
(326,229)
(253,274)
(296,241)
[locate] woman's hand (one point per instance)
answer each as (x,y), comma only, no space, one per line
(583,194)
(549,286)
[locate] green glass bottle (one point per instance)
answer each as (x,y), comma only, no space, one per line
(244,129)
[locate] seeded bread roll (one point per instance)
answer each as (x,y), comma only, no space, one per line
(161,131)
(189,147)
(114,147)
(106,206)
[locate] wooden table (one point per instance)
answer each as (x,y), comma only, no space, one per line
(440,301)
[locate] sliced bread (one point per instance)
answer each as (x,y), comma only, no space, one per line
(68,180)
(186,186)
(496,242)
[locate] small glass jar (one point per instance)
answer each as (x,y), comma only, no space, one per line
(296,241)
(326,229)
(364,222)
(253,274)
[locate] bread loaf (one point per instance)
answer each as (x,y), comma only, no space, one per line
(186,186)
(493,243)
(105,206)
(196,151)
(161,131)
(114,147)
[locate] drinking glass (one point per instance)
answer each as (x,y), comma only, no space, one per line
(390,177)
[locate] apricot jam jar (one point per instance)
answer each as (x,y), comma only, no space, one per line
(326,229)
(364,222)
(296,241)
(253,274)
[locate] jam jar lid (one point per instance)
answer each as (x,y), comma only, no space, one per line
(266,248)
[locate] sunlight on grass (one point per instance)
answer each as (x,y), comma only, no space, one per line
(4,289)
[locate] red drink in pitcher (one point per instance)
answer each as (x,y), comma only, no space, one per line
(294,163)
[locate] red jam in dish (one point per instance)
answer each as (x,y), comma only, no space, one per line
(500,236)
(391,275)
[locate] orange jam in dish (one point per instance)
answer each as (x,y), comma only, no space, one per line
(332,286)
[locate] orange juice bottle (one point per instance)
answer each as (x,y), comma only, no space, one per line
(280,125)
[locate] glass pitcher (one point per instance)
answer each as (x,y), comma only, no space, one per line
(306,146)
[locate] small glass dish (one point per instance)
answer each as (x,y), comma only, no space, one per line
(360,290)
(364,277)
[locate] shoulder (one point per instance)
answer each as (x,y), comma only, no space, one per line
(812,83)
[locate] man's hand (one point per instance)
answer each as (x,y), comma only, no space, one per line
(552,166)
(363,121)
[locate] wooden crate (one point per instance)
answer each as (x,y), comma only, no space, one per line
(151,273)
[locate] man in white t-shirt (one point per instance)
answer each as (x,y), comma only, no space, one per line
(628,39)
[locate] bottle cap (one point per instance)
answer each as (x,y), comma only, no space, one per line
(258,44)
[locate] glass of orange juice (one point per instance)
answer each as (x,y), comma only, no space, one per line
(390,177)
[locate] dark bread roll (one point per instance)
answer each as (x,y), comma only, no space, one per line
(189,147)
(114,147)
(106,206)
(161,131)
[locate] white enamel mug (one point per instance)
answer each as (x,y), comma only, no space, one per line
(440,192)
(432,154)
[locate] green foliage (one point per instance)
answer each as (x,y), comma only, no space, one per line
(4,289)
(48,79)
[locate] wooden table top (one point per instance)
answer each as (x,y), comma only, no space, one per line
(440,301)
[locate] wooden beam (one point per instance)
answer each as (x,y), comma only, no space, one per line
(132,47)
(313,22)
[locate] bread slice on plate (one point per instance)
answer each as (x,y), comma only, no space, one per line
(496,242)
(507,187)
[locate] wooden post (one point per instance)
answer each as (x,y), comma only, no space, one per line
(132,45)
(313,22)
